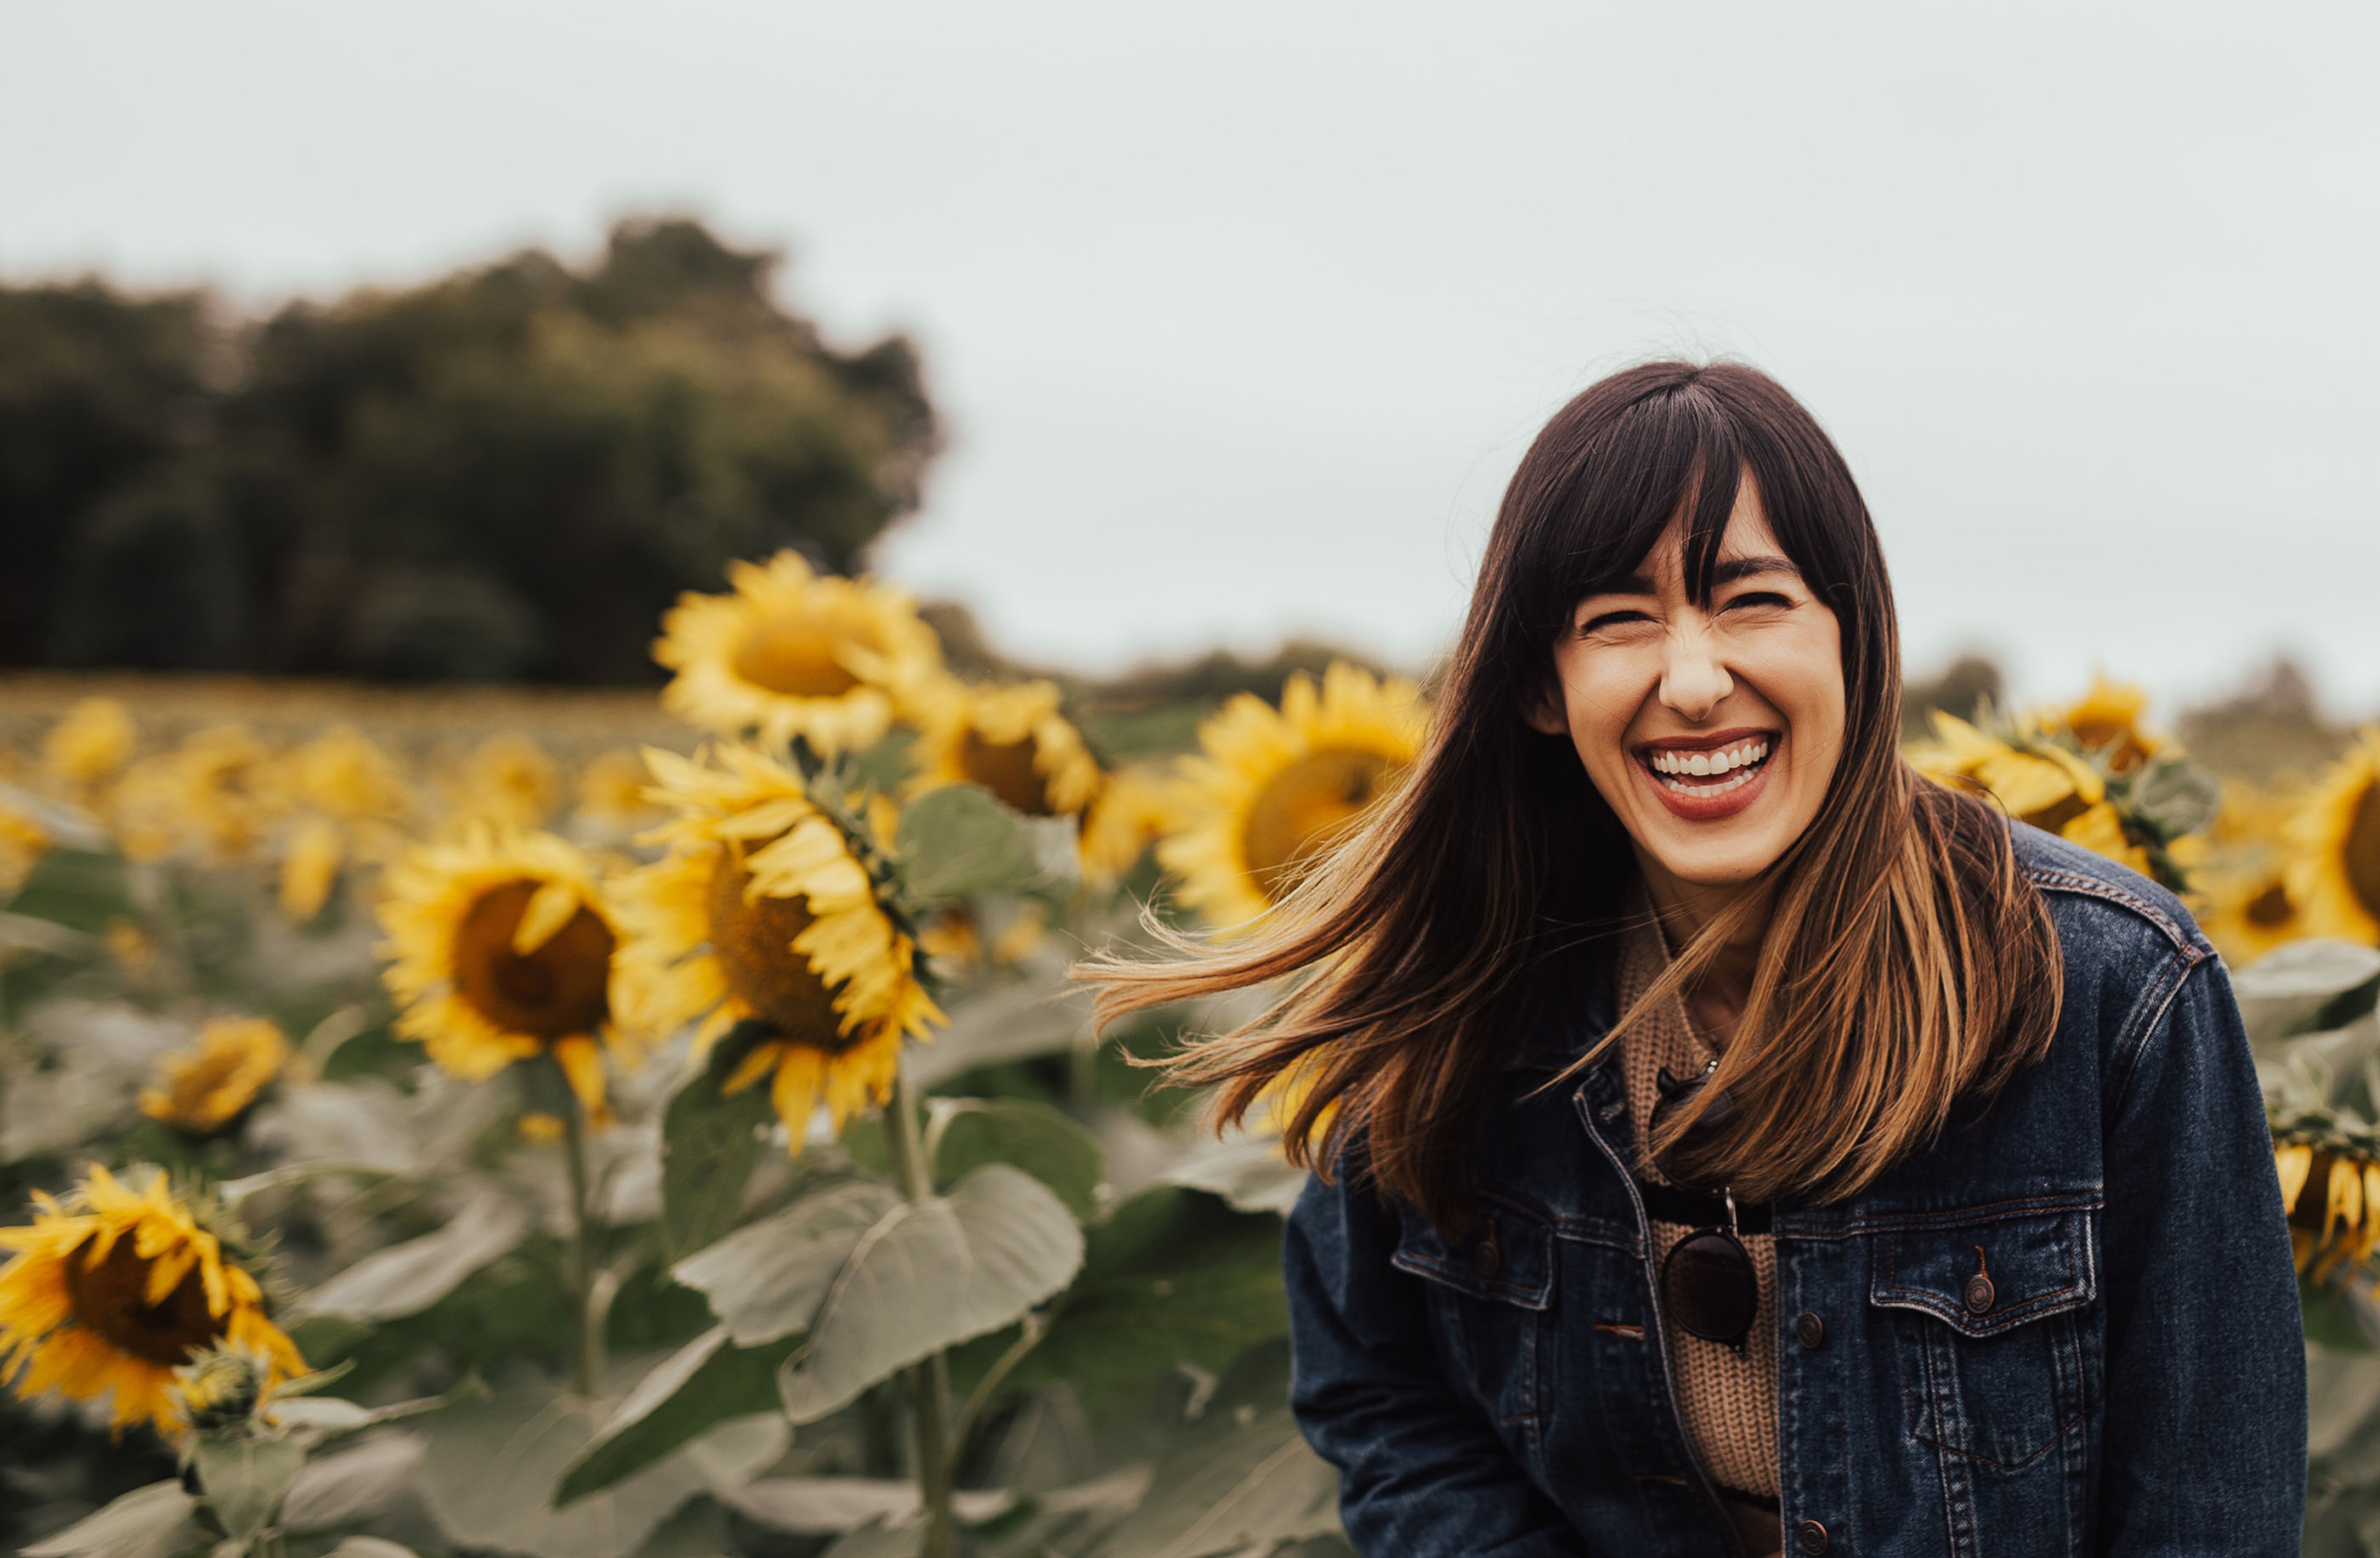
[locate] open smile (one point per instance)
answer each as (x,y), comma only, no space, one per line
(1706,778)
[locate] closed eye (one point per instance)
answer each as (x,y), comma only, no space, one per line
(1610,619)
(1758,598)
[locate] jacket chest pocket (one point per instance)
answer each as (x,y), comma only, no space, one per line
(1988,1321)
(1489,1296)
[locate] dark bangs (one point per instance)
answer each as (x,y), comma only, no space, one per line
(1679,447)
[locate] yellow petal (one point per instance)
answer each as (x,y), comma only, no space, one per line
(2294,1161)
(549,910)
(582,1062)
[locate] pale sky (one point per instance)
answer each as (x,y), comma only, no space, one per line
(1240,314)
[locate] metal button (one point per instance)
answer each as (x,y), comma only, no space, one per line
(1487,1258)
(1980,1295)
(1809,1330)
(1811,1538)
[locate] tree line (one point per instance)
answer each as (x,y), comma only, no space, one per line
(505,473)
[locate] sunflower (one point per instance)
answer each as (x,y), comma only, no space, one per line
(114,1289)
(215,793)
(88,746)
(507,782)
(1133,810)
(790,652)
(2039,783)
(499,948)
(612,794)
(1273,787)
(2107,720)
(2335,876)
(1014,742)
(202,1090)
(2247,910)
(766,911)
(347,801)
(23,841)
(2338,1224)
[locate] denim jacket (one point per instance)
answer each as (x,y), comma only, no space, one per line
(2133,1381)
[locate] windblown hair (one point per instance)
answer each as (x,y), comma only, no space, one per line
(1908,965)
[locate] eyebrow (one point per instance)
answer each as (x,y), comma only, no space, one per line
(1727,571)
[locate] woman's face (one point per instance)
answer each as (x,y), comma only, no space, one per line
(1712,731)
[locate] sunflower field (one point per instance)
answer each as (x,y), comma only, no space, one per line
(678,1134)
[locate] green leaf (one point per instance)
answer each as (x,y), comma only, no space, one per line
(407,1278)
(1036,1016)
(369,1547)
(491,1470)
(767,1280)
(929,1274)
(352,1485)
(244,1479)
(2337,1318)
(1249,1174)
(2176,796)
(145,1523)
(709,1145)
(958,841)
(81,889)
(705,1382)
(1174,1276)
(880,1539)
(968,1133)
(1239,1479)
(2299,981)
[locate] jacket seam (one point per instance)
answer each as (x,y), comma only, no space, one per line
(1952,1217)
(2147,1018)
(2053,879)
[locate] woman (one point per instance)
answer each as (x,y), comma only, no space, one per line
(1731,1140)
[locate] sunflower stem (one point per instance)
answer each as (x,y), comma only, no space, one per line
(929,1383)
(586,1366)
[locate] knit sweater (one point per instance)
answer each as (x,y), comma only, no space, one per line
(1728,1400)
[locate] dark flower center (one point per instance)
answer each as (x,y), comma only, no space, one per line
(110,1298)
(561,989)
(754,942)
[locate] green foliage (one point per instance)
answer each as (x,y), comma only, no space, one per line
(506,472)
(710,1143)
(957,842)
(968,1133)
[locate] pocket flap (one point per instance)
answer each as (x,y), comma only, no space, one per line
(1983,1277)
(1507,1254)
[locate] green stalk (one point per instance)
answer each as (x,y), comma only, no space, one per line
(586,1366)
(929,1383)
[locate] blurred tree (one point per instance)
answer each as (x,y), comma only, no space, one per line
(508,472)
(98,390)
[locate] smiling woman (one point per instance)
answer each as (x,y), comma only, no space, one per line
(1729,1139)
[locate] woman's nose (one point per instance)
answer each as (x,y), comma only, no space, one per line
(1694,682)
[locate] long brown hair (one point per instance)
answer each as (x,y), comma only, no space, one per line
(1907,963)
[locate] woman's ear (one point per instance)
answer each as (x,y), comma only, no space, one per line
(1541,707)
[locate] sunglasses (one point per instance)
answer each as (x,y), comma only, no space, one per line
(1709,1287)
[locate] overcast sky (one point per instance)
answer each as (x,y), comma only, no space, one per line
(1241,313)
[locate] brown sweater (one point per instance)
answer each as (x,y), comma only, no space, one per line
(1728,1400)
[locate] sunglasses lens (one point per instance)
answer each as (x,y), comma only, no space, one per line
(1710,1287)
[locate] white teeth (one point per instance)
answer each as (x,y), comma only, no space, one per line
(1666,761)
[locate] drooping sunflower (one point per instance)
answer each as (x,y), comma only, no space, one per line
(2035,781)
(2338,1224)
(499,948)
(114,1289)
(2334,838)
(791,652)
(204,1088)
(1272,788)
(1012,741)
(766,911)
(2107,720)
